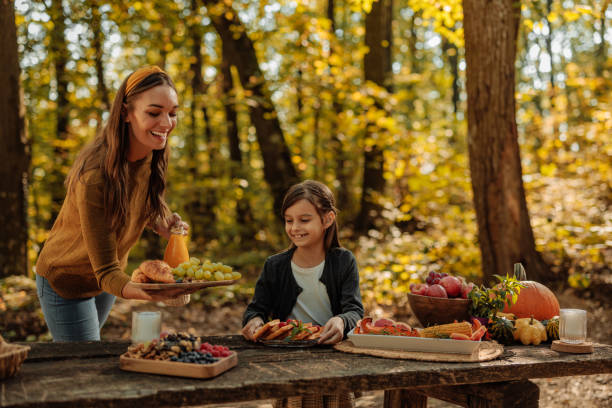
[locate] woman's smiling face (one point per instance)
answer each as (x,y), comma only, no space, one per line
(152,117)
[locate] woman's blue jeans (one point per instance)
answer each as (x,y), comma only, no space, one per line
(73,319)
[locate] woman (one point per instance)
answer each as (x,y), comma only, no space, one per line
(114,189)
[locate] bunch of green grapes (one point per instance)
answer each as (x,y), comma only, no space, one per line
(194,269)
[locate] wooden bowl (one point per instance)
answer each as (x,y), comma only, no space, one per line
(433,310)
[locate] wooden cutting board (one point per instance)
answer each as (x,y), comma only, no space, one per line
(177,369)
(486,351)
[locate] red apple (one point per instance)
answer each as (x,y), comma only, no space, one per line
(452,286)
(436,291)
(466,288)
(418,288)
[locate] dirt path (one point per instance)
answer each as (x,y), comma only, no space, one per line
(592,391)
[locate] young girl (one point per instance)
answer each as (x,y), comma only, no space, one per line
(315,280)
(114,189)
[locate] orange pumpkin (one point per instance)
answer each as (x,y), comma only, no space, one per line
(534,300)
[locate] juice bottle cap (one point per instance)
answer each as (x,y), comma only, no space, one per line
(178,229)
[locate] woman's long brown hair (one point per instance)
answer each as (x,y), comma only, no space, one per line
(108,152)
(321,197)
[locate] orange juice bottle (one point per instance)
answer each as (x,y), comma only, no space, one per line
(176,250)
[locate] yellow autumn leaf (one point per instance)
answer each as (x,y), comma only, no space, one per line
(334,59)
(570,16)
(397,268)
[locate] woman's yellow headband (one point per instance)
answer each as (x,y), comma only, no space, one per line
(139,75)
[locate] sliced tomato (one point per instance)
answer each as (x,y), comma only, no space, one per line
(403,326)
(366,326)
(363,324)
(383,322)
(392,330)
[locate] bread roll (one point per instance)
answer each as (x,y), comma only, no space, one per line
(139,277)
(157,271)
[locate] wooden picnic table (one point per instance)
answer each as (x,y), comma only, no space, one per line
(88,375)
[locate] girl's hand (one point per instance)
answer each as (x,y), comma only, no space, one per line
(251,327)
(163,227)
(333,331)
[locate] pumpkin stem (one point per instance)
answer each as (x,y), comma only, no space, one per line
(519,272)
(531,321)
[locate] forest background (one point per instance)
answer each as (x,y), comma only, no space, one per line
(368,97)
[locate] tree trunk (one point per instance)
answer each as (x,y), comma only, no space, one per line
(316,138)
(504,230)
(601,54)
(279,171)
(98,46)
(59,54)
(15,154)
(553,89)
(342,173)
(377,68)
(548,39)
(452,55)
(244,214)
(415,62)
(202,199)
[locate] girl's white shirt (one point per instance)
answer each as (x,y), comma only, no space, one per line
(313,303)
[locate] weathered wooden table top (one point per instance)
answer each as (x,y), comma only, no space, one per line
(88,375)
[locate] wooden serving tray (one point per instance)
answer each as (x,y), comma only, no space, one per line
(184,285)
(487,350)
(177,369)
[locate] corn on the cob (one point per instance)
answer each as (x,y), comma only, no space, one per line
(446,329)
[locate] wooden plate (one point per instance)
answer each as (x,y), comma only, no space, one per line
(184,285)
(177,369)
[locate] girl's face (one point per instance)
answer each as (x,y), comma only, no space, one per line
(304,226)
(152,117)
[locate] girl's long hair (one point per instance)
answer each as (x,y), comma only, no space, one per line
(321,197)
(108,152)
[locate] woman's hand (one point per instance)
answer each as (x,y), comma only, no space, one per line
(251,327)
(333,331)
(131,291)
(163,226)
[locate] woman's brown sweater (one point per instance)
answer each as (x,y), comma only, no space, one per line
(82,256)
